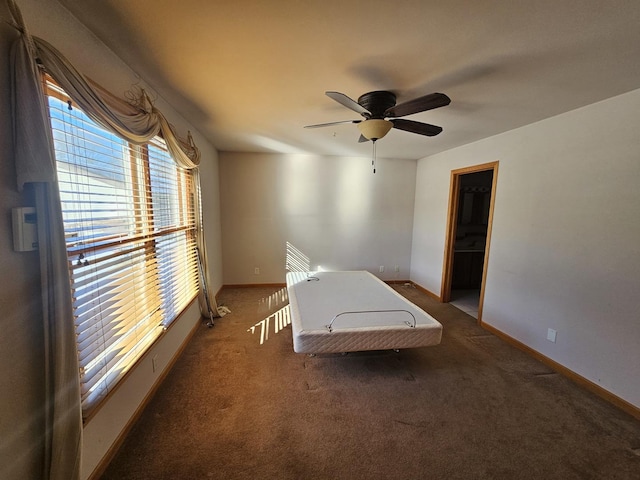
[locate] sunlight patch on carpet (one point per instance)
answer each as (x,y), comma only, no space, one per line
(273,301)
(278,321)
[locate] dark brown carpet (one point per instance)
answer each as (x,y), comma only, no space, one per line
(472,407)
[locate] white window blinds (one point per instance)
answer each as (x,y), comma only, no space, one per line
(130,224)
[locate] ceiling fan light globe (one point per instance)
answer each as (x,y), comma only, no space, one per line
(374,129)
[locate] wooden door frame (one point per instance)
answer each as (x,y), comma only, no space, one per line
(452,215)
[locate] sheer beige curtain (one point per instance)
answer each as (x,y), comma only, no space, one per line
(35,165)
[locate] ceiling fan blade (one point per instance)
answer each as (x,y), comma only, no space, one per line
(331,123)
(421,104)
(342,99)
(416,127)
(363,139)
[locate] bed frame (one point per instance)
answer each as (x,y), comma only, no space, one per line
(339,312)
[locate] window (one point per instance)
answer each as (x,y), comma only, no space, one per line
(130,223)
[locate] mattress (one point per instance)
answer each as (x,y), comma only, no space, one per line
(337,312)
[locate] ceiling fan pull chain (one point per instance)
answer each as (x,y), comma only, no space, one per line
(373,160)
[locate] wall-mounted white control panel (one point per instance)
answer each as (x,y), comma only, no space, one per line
(25,229)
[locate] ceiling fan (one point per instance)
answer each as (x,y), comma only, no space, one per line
(381,113)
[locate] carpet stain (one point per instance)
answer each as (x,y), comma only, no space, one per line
(409,378)
(412,424)
(309,387)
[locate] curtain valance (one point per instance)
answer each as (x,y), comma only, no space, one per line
(137,123)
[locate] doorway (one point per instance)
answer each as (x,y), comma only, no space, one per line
(471,200)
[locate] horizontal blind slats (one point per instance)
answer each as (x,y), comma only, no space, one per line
(111,305)
(130,223)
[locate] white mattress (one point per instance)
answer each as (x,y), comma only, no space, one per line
(334,312)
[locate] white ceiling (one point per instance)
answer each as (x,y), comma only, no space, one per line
(251,73)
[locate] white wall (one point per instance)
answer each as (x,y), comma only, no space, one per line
(21,341)
(565,247)
(334,209)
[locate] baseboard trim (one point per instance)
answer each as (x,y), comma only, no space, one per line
(427,292)
(253,285)
(115,446)
(570,374)
(396,282)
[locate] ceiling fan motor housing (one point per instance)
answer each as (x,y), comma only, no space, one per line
(377,102)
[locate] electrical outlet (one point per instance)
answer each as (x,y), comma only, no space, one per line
(256,271)
(397,268)
(381,268)
(551,335)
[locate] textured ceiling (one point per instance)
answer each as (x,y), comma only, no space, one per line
(250,74)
